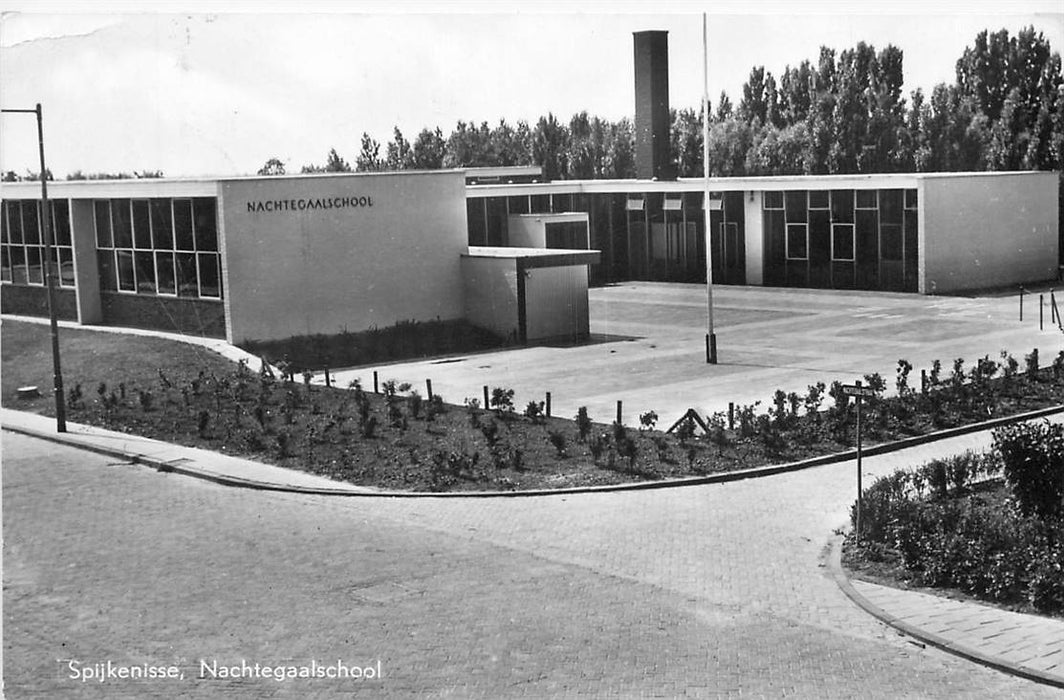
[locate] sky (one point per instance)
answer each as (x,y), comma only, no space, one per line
(216,89)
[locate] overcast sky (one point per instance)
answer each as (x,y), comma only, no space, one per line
(192,93)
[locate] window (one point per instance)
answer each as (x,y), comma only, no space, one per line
(867,199)
(159,246)
(842,242)
(22,249)
(673,202)
(773,200)
(819,199)
(890,243)
(910,199)
(634,204)
(797,241)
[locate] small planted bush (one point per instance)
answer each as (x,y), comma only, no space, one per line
(1032,458)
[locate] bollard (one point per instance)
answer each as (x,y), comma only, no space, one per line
(923,381)
(731,415)
(619,412)
(548,404)
(376,388)
(428,387)
(485,397)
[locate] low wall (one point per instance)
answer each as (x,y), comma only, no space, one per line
(33,301)
(190,316)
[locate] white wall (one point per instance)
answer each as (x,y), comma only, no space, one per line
(987,230)
(526,232)
(491,294)
(754,235)
(295,271)
(556,303)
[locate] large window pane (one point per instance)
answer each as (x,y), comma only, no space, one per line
(18,264)
(66,266)
(61,220)
(842,242)
(121,224)
(4,238)
(34,265)
(141,224)
(14,220)
(187,282)
(890,246)
(818,199)
(125,271)
(5,264)
(842,206)
(145,272)
(796,206)
(773,200)
(183,224)
(164,263)
(866,199)
(797,241)
(210,280)
(105,263)
(890,206)
(31,225)
(162,228)
(206,224)
(102,211)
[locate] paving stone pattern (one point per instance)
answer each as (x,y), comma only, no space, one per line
(714,591)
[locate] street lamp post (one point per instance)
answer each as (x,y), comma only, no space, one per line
(49,272)
(711,336)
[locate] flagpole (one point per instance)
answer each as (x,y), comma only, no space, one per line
(711,336)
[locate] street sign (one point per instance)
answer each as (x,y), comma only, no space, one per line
(858,391)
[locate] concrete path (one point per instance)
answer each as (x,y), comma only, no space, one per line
(741,568)
(652,354)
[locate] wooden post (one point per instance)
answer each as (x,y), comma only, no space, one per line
(731,415)
(376,387)
(619,414)
(923,381)
(857,524)
(1041,312)
(428,386)
(548,404)
(485,397)
(328,379)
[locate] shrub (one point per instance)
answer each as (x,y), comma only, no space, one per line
(583,423)
(534,411)
(490,431)
(146,400)
(597,445)
(415,402)
(1032,457)
(557,439)
(901,382)
(685,430)
(648,420)
(502,399)
(473,411)
(1032,364)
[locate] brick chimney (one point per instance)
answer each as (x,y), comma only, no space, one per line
(652,106)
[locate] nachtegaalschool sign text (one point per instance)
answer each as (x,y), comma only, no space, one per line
(275,205)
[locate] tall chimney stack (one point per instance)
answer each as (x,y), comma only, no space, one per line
(652,106)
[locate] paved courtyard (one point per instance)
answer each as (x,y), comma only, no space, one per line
(653,354)
(711,591)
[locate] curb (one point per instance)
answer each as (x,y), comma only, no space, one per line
(834,560)
(721,478)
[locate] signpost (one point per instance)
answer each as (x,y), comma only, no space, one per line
(858,392)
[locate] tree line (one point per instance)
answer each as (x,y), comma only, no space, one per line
(845,113)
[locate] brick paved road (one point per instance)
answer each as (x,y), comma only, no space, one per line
(706,592)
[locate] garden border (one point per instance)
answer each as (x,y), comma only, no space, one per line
(842,579)
(719,478)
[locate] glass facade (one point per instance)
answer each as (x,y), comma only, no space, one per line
(22,253)
(843,239)
(161,246)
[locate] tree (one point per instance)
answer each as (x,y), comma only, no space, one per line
(620,151)
(511,146)
(273,166)
(369,158)
(550,142)
(400,154)
(428,150)
(685,140)
(580,158)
